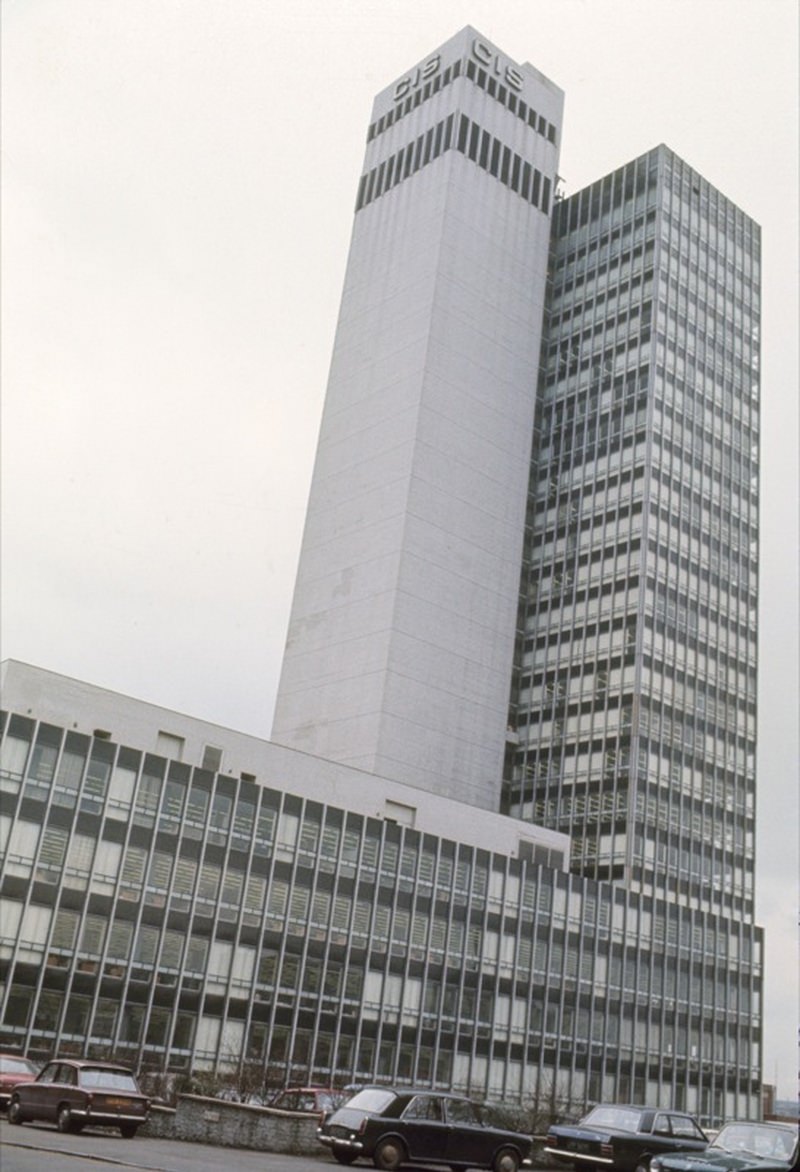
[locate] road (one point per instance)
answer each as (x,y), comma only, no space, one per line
(39,1148)
(35,1148)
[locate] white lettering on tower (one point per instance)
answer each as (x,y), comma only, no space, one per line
(486,57)
(408,84)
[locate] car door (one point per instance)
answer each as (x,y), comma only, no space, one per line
(39,1098)
(66,1087)
(662,1140)
(676,1133)
(467,1139)
(424,1129)
(686,1134)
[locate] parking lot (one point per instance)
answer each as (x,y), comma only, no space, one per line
(40,1148)
(34,1148)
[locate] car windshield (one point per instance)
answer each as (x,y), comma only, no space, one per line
(108,1080)
(619,1118)
(15,1066)
(371,1099)
(767,1141)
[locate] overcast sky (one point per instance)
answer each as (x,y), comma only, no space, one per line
(179,179)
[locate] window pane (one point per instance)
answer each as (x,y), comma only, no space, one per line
(70,770)
(65,929)
(51,855)
(13,755)
(94,934)
(119,940)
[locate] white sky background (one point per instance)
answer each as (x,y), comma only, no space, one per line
(179,179)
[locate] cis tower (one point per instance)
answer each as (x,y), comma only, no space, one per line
(402,630)
(529,573)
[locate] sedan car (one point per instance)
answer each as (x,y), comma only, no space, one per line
(624,1138)
(395,1127)
(75,1094)
(13,1069)
(741,1147)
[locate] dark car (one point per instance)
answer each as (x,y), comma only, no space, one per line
(13,1069)
(624,1138)
(741,1147)
(308,1100)
(395,1127)
(75,1093)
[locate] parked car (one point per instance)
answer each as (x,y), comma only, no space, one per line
(13,1069)
(75,1093)
(393,1127)
(308,1100)
(624,1138)
(741,1147)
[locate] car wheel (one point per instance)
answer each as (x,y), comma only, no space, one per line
(14,1112)
(345,1157)
(64,1118)
(506,1160)
(389,1154)
(128,1130)
(643,1166)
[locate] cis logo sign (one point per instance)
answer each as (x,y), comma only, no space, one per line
(483,54)
(490,60)
(415,79)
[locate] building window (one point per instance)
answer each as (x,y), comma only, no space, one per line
(123,783)
(77,1015)
(221,810)
(119,940)
(42,765)
(105,1019)
(196,954)
(22,843)
(47,1012)
(51,855)
(13,758)
(146,946)
(33,930)
(212,758)
(18,1008)
(170,745)
(93,935)
(158,1028)
(133,868)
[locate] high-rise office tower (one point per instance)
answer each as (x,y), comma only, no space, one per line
(635,689)
(632,654)
(402,630)
(528,581)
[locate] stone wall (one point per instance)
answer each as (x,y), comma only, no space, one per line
(234,1125)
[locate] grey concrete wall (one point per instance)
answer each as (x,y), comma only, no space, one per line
(234,1125)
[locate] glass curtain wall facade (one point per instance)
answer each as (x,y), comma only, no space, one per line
(183,920)
(634,692)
